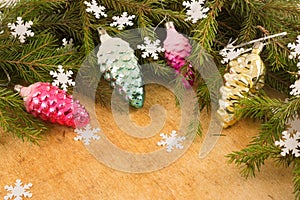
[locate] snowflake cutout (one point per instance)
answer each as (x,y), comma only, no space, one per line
(293,123)
(122,21)
(171,141)
(230,54)
(295,88)
(62,78)
(21,29)
(296,48)
(67,44)
(18,190)
(87,134)
(151,48)
(290,143)
(196,10)
(94,8)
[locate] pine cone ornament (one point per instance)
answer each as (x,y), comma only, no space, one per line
(54,105)
(177,49)
(120,66)
(245,77)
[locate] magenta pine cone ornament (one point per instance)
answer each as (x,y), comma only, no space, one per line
(54,105)
(177,49)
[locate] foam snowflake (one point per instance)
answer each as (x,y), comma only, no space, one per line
(18,190)
(196,10)
(87,134)
(21,29)
(151,48)
(290,143)
(94,8)
(230,54)
(123,20)
(171,141)
(62,78)
(293,123)
(296,50)
(67,44)
(295,88)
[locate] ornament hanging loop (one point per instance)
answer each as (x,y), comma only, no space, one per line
(164,19)
(8,79)
(18,88)
(160,23)
(101,30)
(230,45)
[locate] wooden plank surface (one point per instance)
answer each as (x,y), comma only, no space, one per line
(61,168)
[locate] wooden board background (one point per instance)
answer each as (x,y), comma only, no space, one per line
(61,168)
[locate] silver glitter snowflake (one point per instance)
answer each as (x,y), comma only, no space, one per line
(295,47)
(67,44)
(295,88)
(94,8)
(171,141)
(289,143)
(230,54)
(21,29)
(196,10)
(87,134)
(122,21)
(18,190)
(62,78)
(151,48)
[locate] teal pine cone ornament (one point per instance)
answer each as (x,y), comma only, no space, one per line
(120,66)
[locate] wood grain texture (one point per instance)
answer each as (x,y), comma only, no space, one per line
(61,168)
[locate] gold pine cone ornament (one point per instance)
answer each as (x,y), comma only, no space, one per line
(245,78)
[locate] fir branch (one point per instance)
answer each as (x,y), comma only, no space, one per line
(37,56)
(205,31)
(250,159)
(278,80)
(15,120)
(296,178)
(88,43)
(258,107)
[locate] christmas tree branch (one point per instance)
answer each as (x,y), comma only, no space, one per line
(296,178)
(205,32)
(250,159)
(15,120)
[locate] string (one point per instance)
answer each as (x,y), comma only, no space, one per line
(160,23)
(257,40)
(162,6)
(8,78)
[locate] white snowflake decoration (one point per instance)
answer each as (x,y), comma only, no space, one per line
(296,50)
(196,10)
(87,134)
(21,29)
(94,8)
(62,78)
(151,48)
(18,190)
(290,143)
(67,44)
(171,141)
(295,88)
(230,54)
(122,21)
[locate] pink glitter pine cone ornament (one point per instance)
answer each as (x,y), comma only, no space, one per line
(54,105)
(177,49)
